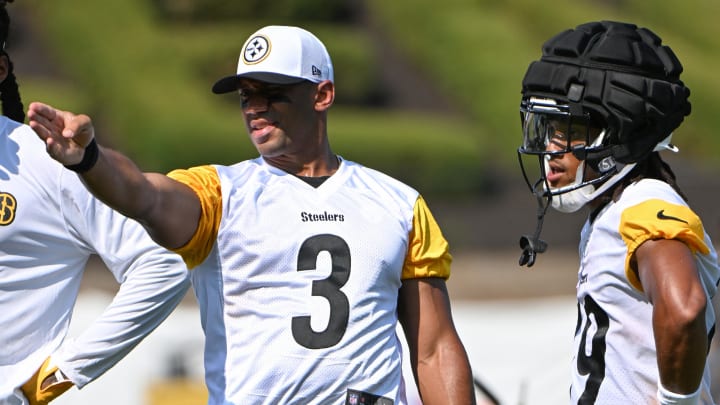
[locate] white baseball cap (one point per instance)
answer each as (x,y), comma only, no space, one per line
(281,55)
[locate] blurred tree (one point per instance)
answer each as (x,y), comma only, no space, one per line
(296,10)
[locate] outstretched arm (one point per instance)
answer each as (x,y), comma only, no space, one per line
(440,363)
(168,209)
(668,274)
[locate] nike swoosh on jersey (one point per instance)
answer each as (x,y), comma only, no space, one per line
(661,215)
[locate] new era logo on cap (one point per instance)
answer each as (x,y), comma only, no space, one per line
(280,54)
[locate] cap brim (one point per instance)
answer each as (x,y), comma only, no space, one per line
(226,85)
(231,83)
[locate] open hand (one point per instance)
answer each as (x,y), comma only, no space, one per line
(65,134)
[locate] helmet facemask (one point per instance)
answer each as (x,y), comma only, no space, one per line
(627,81)
(549,132)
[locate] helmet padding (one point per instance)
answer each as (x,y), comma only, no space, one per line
(622,76)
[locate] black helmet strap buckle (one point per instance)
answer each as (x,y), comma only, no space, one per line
(531,245)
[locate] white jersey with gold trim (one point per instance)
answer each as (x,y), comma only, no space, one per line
(49,227)
(615,360)
(299,294)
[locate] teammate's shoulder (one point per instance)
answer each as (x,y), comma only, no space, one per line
(18,131)
(21,145)
(10,123)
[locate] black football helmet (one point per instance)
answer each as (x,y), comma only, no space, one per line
(612,86)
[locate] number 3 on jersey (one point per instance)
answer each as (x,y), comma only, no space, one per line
(329,288)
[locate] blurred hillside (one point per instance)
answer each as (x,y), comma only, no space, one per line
(427,92)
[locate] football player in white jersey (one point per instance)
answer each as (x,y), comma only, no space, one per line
(50,225)
(597,109)
(303,261)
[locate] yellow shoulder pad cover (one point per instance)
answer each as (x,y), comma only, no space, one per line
(658,219)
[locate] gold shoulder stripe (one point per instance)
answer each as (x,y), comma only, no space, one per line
(205,182)
(428,252)
(658,219)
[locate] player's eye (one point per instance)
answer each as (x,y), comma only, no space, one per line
(271,95)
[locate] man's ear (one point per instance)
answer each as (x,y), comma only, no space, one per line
(325,95)
(4,67)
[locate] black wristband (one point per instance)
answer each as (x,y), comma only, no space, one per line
(89,158)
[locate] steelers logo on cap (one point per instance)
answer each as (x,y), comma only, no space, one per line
(256,49)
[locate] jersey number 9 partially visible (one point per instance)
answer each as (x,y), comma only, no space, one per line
(594,365)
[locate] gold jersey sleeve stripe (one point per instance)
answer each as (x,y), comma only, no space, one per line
(204,180)
(658,219)
(428,252)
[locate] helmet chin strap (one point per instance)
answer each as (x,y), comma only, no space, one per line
(532,244)
(573,200)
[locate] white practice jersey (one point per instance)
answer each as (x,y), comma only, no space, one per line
(615,360)
(299,293)
(49,227)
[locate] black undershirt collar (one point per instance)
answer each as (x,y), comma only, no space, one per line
(313,181)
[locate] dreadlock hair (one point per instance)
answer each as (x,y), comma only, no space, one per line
(12,106)
(652,167)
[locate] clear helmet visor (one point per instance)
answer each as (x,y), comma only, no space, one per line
(549,129)
(549,133)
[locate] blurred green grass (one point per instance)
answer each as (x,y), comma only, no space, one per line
(146,81)
(479,50)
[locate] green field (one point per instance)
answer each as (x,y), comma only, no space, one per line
(145,78)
